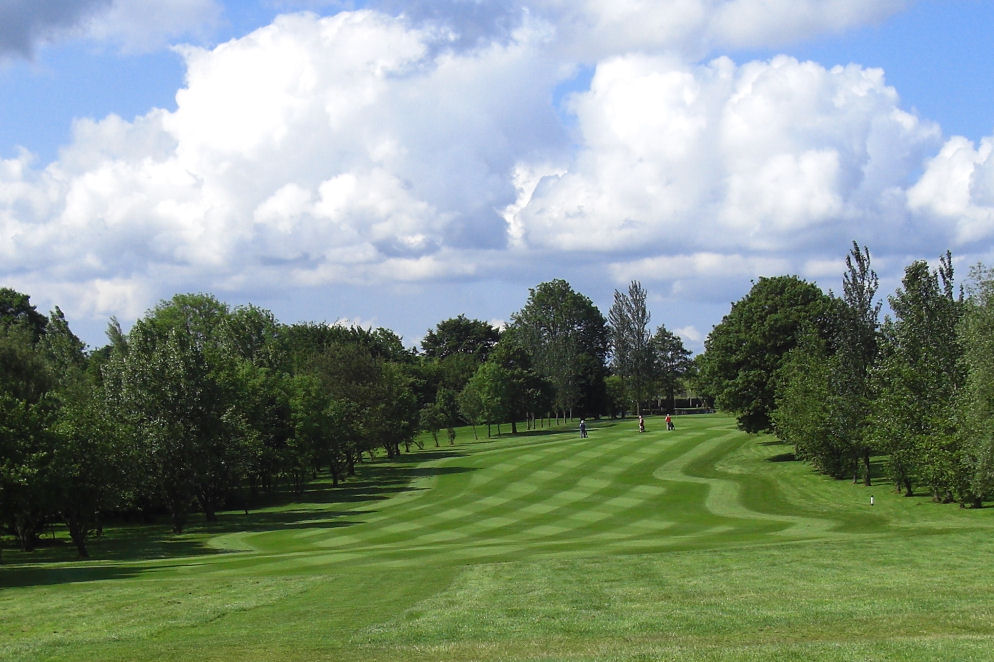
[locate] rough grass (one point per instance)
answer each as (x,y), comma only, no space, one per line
(702,543)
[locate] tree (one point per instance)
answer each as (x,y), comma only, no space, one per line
(672,362)
(522,391)
(917,379)
(89,468)
(16,310)
(26,413)
(460,335)
(157,390)
(975,405)
(632,355)
(801,417)
(745,350)
(856,345)
(567,339)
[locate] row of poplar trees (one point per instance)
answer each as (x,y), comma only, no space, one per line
(909,397)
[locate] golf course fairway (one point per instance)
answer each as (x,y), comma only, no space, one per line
(703,543)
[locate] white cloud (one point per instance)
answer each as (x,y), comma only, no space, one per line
(958,187)
(366,149)
(763,156)
(142,26)
(590,30)
(131,25)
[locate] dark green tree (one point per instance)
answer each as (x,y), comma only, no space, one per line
(745,350)
(856,344)
(916,382)
(567,339)
(16,309)
(460,335)
(801,416)
(975,405)
(672,361)
(632,355)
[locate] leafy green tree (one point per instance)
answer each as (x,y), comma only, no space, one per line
(801,417)
(856,346)
(521,390)
(632,355)
(16,310)
(916,382)
(447,403)
(616,396)
(460,336)
(486,397)
(567,339)
(430,420)
(26,412)
(157,389)
(745,350)
(975,405)
(472,404)
(89,468)
(672,361)
(26,447)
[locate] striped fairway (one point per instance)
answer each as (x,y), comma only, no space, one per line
(701,543)
(554,495)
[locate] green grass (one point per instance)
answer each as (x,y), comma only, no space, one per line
(702,544)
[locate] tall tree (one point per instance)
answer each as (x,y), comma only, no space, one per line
(672,361)
(745,350)
(89,468)
(802,417)
(632,356)
(27,409)
(856,346)
(917,379)
(567,339)
(975,406)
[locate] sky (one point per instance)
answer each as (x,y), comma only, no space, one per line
(395,164)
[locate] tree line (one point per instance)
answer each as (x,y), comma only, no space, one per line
(201,407)
(824,373)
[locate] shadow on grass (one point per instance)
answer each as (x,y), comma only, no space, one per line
(48,576)
(315,509)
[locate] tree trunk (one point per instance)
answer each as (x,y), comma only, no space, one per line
(77,532)
(867,479)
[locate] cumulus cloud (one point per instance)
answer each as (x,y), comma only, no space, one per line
(26,23)
(590,30)
(133,25)
(765,156)
(367,147)
(958,187)
(333,149)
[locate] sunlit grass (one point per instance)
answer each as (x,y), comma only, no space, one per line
(702,543)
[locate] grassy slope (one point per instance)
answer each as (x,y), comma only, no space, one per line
(699,544)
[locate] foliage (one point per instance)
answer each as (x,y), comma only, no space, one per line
(975,404)
(802,417)
(16,310)
(632,355)
(672,362)
(824,391)
(744,351)
(917,380)
(460,336)
(566,338)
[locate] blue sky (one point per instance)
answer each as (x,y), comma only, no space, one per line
(397,163)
